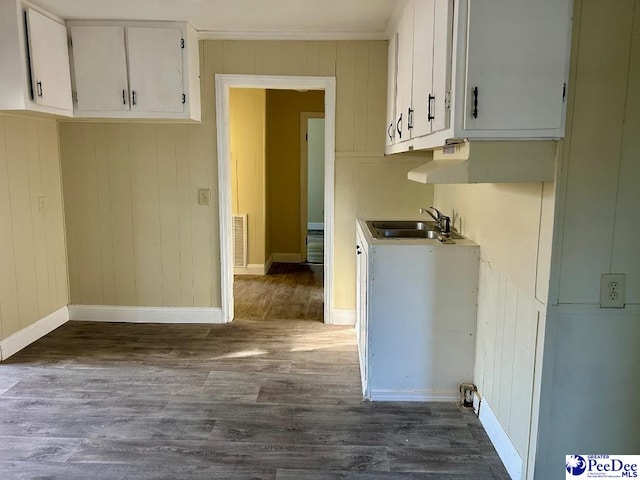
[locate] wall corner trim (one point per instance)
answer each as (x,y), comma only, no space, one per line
(108,313)
(343,317)
(25,337)
(501,441)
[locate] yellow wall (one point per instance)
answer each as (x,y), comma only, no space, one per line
(154,245)
(33,265)
(247,113)
(283,129)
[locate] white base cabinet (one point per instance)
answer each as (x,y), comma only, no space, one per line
(416,317)
(34,66)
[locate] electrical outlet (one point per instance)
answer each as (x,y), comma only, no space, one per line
(612,290)
(204,196)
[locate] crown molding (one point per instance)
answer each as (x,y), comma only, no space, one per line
(290,35)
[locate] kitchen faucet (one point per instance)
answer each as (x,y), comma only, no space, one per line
(444,222)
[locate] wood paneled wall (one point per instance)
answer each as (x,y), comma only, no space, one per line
(33,264)
(136,234)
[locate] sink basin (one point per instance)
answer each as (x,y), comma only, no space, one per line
(402,224)
(406,233)
(390,229)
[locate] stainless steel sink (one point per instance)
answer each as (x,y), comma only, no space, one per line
(390,229)
(402,225)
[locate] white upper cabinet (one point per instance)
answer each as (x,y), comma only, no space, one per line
(405,73)
(420,109)
(49,58)
(155,69)
(135,70)
(481,71)
(34,71)
(518,68)
(392,86)
(100,68)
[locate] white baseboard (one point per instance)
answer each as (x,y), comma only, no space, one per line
(413,396)
(501,441)
(250,269)
(315,226)
(287,257)
(107,313)
(343,317)
(16,342)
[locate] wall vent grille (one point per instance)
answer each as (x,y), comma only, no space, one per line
(239,240)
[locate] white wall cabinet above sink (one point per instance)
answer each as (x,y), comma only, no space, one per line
(135,70)
(34,66)
(478,71)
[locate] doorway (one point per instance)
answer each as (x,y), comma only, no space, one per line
(312,187)
(224,83)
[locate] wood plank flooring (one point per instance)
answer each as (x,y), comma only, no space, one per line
(254,399)
(288,291)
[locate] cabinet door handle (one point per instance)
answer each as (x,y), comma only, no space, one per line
(391,131)
(398,125)
(474,112)
(409,118)
(39,84)
(124,97)
(133,97)
(430,114)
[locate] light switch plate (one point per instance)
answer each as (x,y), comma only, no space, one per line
(612,290)
(204,196)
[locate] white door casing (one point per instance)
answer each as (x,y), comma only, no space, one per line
(224,82)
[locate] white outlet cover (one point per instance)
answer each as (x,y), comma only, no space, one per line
(607,300)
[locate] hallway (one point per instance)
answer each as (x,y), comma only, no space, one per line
(289,291)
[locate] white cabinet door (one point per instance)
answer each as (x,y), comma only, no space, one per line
(405,72)
(155,69)
(100,67)
(515,84)
(422,91)
(439,110)
(392,89)
(362,323)
(49,55)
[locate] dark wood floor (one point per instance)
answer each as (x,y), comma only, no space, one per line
(290,291)
(247,400)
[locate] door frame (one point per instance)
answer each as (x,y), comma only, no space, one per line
(224,82)
(304,185)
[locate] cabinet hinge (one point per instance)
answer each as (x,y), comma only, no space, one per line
(184,98)
(306,137)
(70,42)
(564,91)
(447,100)
(74,94)
(182,43)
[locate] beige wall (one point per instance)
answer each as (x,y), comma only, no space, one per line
(283,129)
(33,265)
(591,354)
(141,239)
(512,224)
(247,113)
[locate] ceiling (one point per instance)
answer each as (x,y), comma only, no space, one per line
(277,19)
